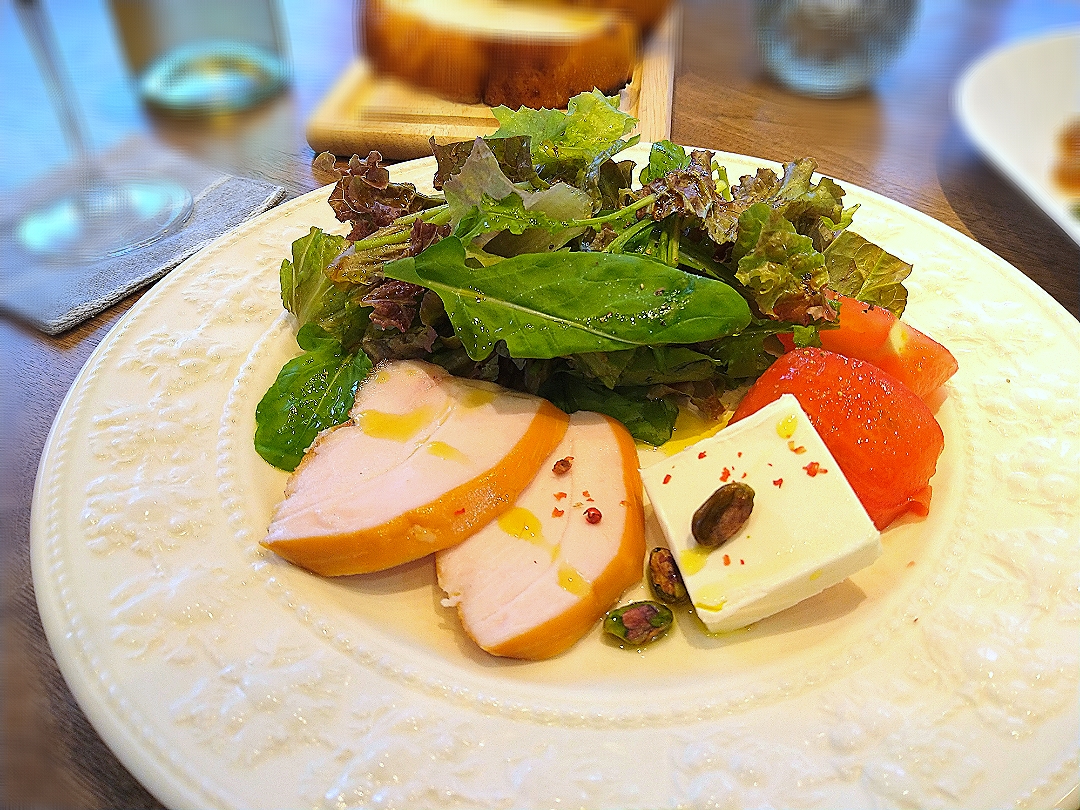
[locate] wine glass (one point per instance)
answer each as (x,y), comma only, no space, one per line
(100,211)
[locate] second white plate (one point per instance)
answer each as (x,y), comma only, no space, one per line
(1014,104)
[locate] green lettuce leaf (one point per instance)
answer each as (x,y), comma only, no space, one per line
(860,269)
(567,144)
(312,392)
(513,155)
(664,157)
(781,268)
(312,297)
(484,203)
(556,304)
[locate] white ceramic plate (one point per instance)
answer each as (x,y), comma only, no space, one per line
(944,675)
(1014,104)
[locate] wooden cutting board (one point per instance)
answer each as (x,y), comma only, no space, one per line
(365,111)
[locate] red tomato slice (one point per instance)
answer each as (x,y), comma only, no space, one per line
(874,334)
(884,438)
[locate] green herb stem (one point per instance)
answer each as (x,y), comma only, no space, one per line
(637,205)
(623,238)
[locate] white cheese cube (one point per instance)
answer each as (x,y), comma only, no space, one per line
(807,530)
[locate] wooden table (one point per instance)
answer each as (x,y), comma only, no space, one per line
(900,140)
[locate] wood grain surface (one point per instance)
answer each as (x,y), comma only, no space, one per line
(901,140)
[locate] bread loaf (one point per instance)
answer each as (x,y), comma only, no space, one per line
(502,52)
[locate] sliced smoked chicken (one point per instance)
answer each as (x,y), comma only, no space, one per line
(424,461)
(534,581)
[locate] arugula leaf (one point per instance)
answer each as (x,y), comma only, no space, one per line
(860,269)
(648,420)
(555,304)
(311,393)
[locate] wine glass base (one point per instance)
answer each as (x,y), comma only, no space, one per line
(104,217)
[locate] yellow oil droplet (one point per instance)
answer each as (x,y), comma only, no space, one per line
(399,427)
(710,598)
(573,581)
(692,560)
(521,523)
(691,427)
(476,396)
(785,428)
(444,450)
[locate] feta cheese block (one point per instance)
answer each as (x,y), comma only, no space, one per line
(807,530)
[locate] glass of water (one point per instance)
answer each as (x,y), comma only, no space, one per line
(831,48)
(204,56)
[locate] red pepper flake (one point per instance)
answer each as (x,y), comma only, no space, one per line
(739,454)
(562,466)
(560,495)
(557,512)
(592,515)
(460,511)
(727,559)
(701,454)
(742,562)
(742,476)
(585,494)
(813,468)
(725,475)
(666,479)
(796,450)
(779,482)
(911,564)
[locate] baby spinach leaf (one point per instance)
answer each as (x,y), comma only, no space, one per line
(311,393)
(648,420)
(555,304)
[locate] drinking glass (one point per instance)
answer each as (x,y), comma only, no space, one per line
(97,211)
(831,48)
(203,57)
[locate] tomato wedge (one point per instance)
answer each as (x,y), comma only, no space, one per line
(885,439)
(874,334)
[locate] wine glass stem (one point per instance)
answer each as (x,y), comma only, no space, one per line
(43,43)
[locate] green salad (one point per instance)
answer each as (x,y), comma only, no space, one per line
(546,264)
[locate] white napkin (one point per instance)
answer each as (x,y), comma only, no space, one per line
(56,297)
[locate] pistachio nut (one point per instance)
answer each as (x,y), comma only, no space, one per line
(722,516)
(639,622)
(665,581)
